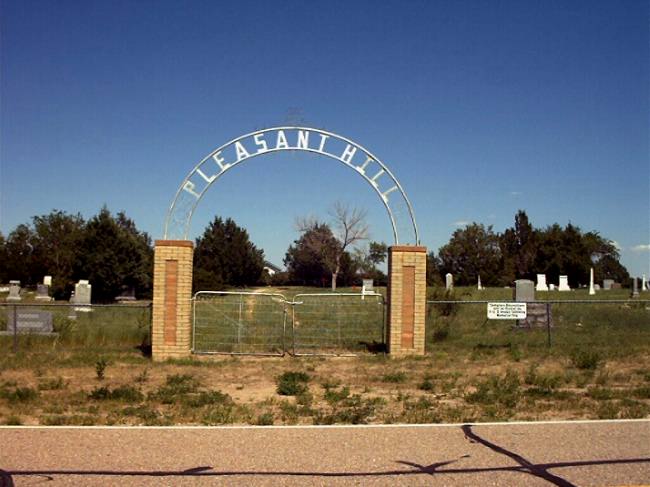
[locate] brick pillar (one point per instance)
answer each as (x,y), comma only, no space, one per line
(171,332)
(407,294)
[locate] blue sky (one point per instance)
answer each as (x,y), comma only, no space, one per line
(479,108)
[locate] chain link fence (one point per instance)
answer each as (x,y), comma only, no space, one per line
(615,326)
(70,327)
(255,323)
(239,323)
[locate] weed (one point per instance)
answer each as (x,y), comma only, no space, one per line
(265,419)
(19,394)
(13,420)
(292,383)
(143,376)
(427,384)
(304,399)
(504,391)
(633,409)
(121,393)
(394,377)
(607,410)
(420,411)
(175,387)
(220,414)
(100,368)
(64,420)
(586,359)
(601,393)
(207,398)
(642,392)
(51,384)
(333,396)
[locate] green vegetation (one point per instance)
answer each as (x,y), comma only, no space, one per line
(292,383)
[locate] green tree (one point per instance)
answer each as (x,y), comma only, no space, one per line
(19,254)
(471,251)
(519,248)
(310,259)
(114,256)
(57,241)
(224,256)
(3,260)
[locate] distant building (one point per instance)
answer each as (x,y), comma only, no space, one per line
(270,268)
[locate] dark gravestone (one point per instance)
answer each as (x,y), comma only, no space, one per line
(536,313)
(29,320)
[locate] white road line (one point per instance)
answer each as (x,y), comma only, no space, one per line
(334,426)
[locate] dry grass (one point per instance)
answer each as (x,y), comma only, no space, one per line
(367,389)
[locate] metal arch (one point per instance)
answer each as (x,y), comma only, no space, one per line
(170,212)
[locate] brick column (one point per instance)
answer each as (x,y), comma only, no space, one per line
(407,294)
(171,332)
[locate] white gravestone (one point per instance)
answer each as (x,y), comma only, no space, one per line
(449,281)
(635,288)
(82,294)
(524,290)
(644,286)
(564,284)
(607,284)
(551,287)
(541,283)
(479,287)
(43,292)
(592,289)
(14,291)
(47,280)
(367,287)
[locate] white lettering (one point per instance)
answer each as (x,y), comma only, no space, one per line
(242,153)
(323,138)
(281,143)
(373,180)
(348,153)
(385,194)
(303,139)
(220,161)
(259,141)
(207,179)
(189,187)
(362,167)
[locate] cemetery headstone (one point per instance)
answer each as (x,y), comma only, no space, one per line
(597,287)
(635,288)
(14,291)
(541,283)
(616,285)
(47,280)
(607,284)
(479,287)
(644,286)
(449,281)
(592,289)
(564,284)
(524,290)
(43,292)
(82,294)
(29,320)
(551,287)
(537,314)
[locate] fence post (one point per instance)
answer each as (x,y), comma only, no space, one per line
(15,329)
(548,323)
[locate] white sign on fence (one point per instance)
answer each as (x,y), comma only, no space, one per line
(506,311)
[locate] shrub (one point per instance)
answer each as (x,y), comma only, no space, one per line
(586,359)
(394,377)
(503,391)
(19,394)
(100,368)
(427,384)
(122,393)
(265,419)
(292,383)
(51,384)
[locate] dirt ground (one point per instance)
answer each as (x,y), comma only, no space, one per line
(335,390)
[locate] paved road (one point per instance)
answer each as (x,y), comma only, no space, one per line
(591,453)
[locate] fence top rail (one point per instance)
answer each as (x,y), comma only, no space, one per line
(554,301)
(75,305)
(357,295)
(237,293)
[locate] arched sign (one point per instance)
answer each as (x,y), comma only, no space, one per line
(353,155)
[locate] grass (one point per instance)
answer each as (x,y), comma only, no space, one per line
(475,369)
